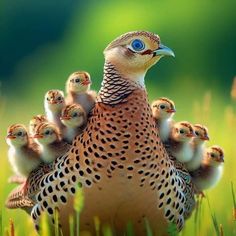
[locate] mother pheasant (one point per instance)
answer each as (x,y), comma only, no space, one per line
(124,169)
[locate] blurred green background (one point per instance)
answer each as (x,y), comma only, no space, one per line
(42,42)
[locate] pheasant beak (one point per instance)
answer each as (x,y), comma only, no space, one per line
(52,102)
(190,135)
(171,111)
(11,136)
(38,136)
(163,51)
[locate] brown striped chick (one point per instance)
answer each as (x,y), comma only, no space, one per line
(180,141)
(74,118)
(23,156)
(54,102)
(211,169)
(78,90)
(47,135)
(198,144)
(163,110)
(36,120)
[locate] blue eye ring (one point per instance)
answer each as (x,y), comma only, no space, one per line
(138,45)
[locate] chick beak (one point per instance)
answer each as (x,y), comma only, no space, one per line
(190,135)
(163,51)
(171,111)
(206,138)
(38,136)
(65,118)
(86,82)
(11,136)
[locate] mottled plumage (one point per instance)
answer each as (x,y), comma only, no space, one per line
(119,160)
(36,120)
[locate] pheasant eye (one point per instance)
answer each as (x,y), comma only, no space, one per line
(212,155)
(162,107)
(48,98)
(138,45)
(59,98)
(77,80)
(197,133)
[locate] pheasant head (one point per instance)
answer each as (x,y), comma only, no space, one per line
(134,53)
(54,100)
(182,131)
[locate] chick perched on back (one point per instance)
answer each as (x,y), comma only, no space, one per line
(23,156)
(210,171)
(198,144)
(35,121)
(78,90)
(53,104)
(74,118)
(180,146)
(47,135)
(163,110)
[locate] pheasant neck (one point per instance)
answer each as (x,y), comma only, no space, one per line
(115,89)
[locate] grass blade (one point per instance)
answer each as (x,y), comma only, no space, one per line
(148,228)
(72,225)
(234,201)
(12,229)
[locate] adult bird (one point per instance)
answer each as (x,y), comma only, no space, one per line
(124,170)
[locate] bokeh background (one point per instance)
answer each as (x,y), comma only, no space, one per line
(42,42)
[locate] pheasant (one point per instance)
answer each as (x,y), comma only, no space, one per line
(74,118)
(198,144)
(118,160)
(163,110)
(78,90)
(210,171)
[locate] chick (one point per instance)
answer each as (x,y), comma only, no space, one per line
(35,121)
(51,146)
(23,156)
(198,144)
(78,90)
(210,171)
(74,118)
(53,104)
(163,110)
(180,141)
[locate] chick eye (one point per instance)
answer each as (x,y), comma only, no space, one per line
(212,155)
(138,45)
(74,114)
(48,98)
(77,80)
(162,107)
(47,132)
(20,133)
(197,133)
(181,131)
(59,98)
